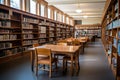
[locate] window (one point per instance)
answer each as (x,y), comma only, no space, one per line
(63,19)
(67,20)
(32,6)
(42,10)
(1,1)
(49,12)
(55,15)
(15,4)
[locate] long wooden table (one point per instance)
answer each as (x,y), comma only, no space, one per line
(68,50)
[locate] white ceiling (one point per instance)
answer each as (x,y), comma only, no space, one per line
(91,8)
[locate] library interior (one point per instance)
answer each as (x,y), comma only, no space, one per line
(59,40)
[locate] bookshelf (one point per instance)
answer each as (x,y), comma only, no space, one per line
(20,29)
(111,34)
(89,30)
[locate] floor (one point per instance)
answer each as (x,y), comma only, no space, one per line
(93,66)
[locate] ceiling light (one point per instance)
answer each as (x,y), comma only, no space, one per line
(85,17)
(78,11)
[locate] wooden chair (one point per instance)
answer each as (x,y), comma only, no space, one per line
(33,57)
(36,45)
(75,42)
(62,41)
(57,55)
(45,61)
(67,58)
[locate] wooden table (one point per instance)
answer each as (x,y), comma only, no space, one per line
(68,50)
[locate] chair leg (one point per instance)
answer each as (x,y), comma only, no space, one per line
(63,64)
(50,70)
(56,65)
(66,64)
(36,69)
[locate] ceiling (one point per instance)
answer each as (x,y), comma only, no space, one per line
(91,8)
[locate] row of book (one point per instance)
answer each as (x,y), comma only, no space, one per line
(42,40)
(116,6)
(10,52)
(27,26)
(58,34)
(5,45)
(5,24)
(43,29)
(51,34)
(28,36)
(51,29)
(4,31)
(30,20)
(116,23)
(51,39)
(89,27)
(42,35)
(26,31)
(4,15)
(115,42)
(114,62)
(8,37)
(109,26)
(44,23)
(30,42)
(61,26)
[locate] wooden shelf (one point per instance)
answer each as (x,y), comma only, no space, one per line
(22,24)
(111,22)
(115,55)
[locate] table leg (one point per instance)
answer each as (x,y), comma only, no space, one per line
(32,60)
(71,64)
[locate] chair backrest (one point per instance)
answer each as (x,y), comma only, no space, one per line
(35,45)
(43,51)
(62,41)
(75,42)
(64,44)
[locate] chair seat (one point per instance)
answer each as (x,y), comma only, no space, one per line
(43,56)
(46,60)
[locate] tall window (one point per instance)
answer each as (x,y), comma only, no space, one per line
(55,15)
(32,6)
(42,10)
(60,17)
(63,19)
(1,1)
(15,4)
(67,20)
(49,12)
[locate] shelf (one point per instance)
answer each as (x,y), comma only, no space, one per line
(115,55)
(26,28)
(10,27)
(9,19)
(113,69)
(9,48)
(31,39)
(10,40)
(30,23)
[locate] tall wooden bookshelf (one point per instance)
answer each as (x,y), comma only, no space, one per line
(111,35)
(20,29)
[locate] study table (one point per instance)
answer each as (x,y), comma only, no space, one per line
(68,50)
